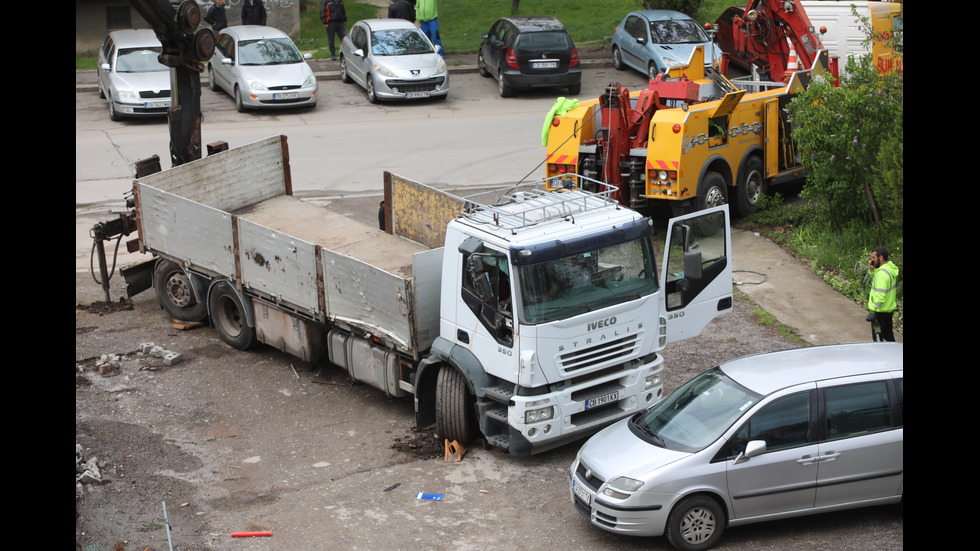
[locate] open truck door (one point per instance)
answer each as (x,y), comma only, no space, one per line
(696,272)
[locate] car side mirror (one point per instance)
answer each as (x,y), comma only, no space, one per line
(227,61)
(359,52)
(752,449)
(307,56)
(641,40)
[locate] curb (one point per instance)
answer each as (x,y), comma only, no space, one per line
(93,86)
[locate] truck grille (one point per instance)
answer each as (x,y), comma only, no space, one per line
(599,356)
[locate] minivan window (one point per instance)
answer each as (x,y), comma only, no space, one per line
(782,424)
(696,414)
(857,409)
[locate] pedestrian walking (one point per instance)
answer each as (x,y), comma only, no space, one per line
(216,16)
(427,14)
(253,12)
(881,300)
(333,14)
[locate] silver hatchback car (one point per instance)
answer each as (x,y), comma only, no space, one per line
(763,437)
(393,60)
(260,67)
(131,77)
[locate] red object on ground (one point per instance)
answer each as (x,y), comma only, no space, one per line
(250,534)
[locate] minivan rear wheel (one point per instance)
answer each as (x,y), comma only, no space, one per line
(695,524)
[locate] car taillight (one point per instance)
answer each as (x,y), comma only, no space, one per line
(511,58)
(574,60)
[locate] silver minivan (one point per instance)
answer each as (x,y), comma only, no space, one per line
(769,436)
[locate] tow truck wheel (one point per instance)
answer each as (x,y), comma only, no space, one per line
(695,524)
(175,293)
(454,407)
(228,315)
(713,192)
(751,187)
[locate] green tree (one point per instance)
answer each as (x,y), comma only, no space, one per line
(841,131)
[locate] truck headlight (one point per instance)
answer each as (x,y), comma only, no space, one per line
(540,414)
(651,381)
(621,485)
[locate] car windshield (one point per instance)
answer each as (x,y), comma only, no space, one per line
(545,41)
(580,283)
(677,31)
(268,51)
(399,42)
(139,60)
(696,414)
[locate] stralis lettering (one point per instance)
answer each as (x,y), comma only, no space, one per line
(620,331)
(593,325)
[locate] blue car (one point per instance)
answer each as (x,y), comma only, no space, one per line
(652,41)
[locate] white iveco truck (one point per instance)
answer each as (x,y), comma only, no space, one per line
(534,315)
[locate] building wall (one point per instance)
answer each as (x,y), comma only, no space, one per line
(91,19)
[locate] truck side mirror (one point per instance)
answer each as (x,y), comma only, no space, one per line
(692,264)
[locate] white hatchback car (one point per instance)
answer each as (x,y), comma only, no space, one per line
(261,68)
(131,77)
(763,437)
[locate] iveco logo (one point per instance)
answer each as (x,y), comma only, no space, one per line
(415,72)
(602,323)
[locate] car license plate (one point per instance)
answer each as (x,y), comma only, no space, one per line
(286,95)
(156,104)
(544,65)
(602,400)
(582,493)
(416,94)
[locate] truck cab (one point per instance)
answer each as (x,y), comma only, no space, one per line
(557,311)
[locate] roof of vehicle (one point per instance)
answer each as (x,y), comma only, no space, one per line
(388,24)
(766,373)
(661,15)
(134,38)
(535,23)
(252,32)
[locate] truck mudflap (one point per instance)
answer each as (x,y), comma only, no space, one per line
(138,277)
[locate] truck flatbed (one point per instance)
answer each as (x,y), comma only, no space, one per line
(333,231)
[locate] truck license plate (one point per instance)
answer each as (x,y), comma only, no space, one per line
(544,65)
(602,400)
(286,95)
(582,493)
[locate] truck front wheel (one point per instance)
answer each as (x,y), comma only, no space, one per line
(174,291)
(228,315)
(454,407)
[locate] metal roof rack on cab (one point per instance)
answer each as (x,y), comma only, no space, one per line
(528,204)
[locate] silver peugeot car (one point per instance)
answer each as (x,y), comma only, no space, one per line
(393,60)
(260,67)
(763,437)
(131,77)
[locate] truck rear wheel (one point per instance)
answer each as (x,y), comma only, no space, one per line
(712,192)
(454,407)
(228,315)
(175,293)
(750,188)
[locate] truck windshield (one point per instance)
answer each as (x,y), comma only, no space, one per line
(587,281)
